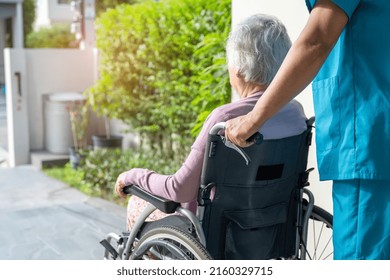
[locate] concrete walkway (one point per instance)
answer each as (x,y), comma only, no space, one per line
(44,219)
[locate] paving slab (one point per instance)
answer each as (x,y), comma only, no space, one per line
(44,219)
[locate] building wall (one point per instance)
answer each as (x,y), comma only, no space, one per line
(59,12)
(49,12)
(293,14)
(42,14)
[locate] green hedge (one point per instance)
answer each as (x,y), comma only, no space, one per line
(57,36)
(162,68)
(97,174)
(103,5)
(101,168)
(28,17)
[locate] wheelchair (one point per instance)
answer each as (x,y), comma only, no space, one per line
(253,203)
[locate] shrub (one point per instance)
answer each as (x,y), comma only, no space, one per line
(162,64)
(103,5)
(28,16)
(97,174)
(57,36)
(101,168)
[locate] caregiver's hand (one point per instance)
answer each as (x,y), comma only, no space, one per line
(240,129)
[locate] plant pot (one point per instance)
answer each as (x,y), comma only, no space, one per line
(74,157)
(101,141)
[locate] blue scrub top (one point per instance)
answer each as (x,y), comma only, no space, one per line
(351,96)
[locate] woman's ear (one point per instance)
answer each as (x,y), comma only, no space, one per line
(237,73)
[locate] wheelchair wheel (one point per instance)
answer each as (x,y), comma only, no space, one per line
(169,243)
(319,244)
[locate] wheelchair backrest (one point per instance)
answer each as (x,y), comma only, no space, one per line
(253,212)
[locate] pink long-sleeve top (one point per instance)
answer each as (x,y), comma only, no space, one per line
(183,185)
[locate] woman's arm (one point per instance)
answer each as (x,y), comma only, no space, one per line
(181,186)
(302,63)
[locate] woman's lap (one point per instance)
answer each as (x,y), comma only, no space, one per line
(135,208)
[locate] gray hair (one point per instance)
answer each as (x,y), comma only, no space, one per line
(257,48)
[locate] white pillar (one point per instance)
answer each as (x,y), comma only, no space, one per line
(17,26)
(2,46)
(88,41)
(17,109)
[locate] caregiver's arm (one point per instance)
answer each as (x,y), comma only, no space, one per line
(300,66)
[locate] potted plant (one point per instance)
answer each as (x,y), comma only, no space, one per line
(102,107)
(78,113)
(107,140)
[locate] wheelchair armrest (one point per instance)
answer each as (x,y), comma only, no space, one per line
(164,205)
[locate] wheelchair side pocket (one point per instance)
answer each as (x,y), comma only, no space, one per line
(255,234)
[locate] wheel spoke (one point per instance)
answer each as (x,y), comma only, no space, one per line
(314,240)
(321,233)
(169,243)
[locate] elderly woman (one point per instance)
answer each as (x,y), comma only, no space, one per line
(255,50)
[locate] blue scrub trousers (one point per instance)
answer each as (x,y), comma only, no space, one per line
(361,225)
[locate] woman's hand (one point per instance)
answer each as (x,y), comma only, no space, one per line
(119,185)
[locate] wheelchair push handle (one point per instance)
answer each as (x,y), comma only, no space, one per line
(257,138)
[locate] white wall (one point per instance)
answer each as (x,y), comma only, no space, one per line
(50,71)
(17,103)
(42,71)
(293,14)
